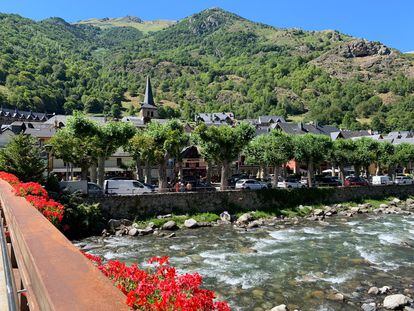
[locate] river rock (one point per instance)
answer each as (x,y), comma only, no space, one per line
(396,301)
(383,206)
(369,306)
(225,216)
(244,219)
(318,212)
(373,290)
(355,209)
(254,224)
(384,289)
(171,235)
(164,216)
(409,201)
(190,223)
(335,297)
(395,201)
(115,224)
(151,225)
(408,309)
(133,232)
(280,308)
(145,231)
(170,225)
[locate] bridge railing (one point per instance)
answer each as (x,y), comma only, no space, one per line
(49,272)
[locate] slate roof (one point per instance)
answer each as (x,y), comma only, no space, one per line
(302,128)
(23,115)
(63,119)
(148,98)
(215,118)
(270,119)
(44,132)
(352,134)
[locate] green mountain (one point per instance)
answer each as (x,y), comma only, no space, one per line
(210,61)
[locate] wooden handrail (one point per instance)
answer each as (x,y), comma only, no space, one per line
(54,273)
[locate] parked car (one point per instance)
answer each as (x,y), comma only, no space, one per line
(125,187)
(291,183)
(381,180)
(81,186)
(235,177)
(326,181)
(249,184)
(403,180)
(355,181)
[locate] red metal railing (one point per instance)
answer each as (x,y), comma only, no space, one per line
(50,272)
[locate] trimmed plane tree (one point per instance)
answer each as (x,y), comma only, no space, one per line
(313,150)
(142,149)
(366,154)
(169,140)
(110,137)
(77,143)
(274,149)
(223,144)
(342,154)
(404,155)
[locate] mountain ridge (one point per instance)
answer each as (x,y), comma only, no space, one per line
(213,60)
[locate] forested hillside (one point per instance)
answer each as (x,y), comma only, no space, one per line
(211,61)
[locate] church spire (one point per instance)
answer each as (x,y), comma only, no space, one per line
(149,98)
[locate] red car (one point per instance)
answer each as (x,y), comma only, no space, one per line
(355,181)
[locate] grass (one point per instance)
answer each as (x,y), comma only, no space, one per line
(303,211)
(179,219)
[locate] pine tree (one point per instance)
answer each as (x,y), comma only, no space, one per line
(23,157)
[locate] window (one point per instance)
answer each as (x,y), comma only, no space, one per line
(137,185)
(118,161)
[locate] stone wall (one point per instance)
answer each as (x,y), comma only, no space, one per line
(145,206)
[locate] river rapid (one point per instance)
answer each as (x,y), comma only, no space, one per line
(302,266)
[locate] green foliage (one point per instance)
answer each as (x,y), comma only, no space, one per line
(24,158)
(404,154)
(223,143)
(81,219)
(230,64)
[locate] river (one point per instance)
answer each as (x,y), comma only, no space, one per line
(301,266)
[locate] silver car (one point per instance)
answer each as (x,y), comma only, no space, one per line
(250,184)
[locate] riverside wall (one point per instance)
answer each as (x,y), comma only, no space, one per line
(271,200)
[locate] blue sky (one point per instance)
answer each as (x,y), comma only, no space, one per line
(387,21)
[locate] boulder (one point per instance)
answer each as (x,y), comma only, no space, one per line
(373,291)
(409,201)
(254,224)
(244,219)
(225,216)
(318,212)
(383,206)
(145,231)
(151,225)
(369,306)
(395,201)
(170,235)
(335,297)
(133,232)
(280,308)
(190,223)
(169,225)
(355,209)
(384,290)
(396,301)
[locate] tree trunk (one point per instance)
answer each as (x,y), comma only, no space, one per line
(333,174)
(377,170)
(93,173)
(101,171)
(342,174)
(224,183)
(138,169)
(208,172)
(67,171)
(147,177)
(367,172)
(310,174)
(275,176)
(162,175)
(84,172)
(71,171)
(180,170)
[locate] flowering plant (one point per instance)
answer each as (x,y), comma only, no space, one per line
(37,196)
(30,188)
(159,287)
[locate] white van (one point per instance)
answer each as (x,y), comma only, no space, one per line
(125,187)
(381,180)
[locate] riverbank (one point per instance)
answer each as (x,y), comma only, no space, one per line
(317,262)
(165,225)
